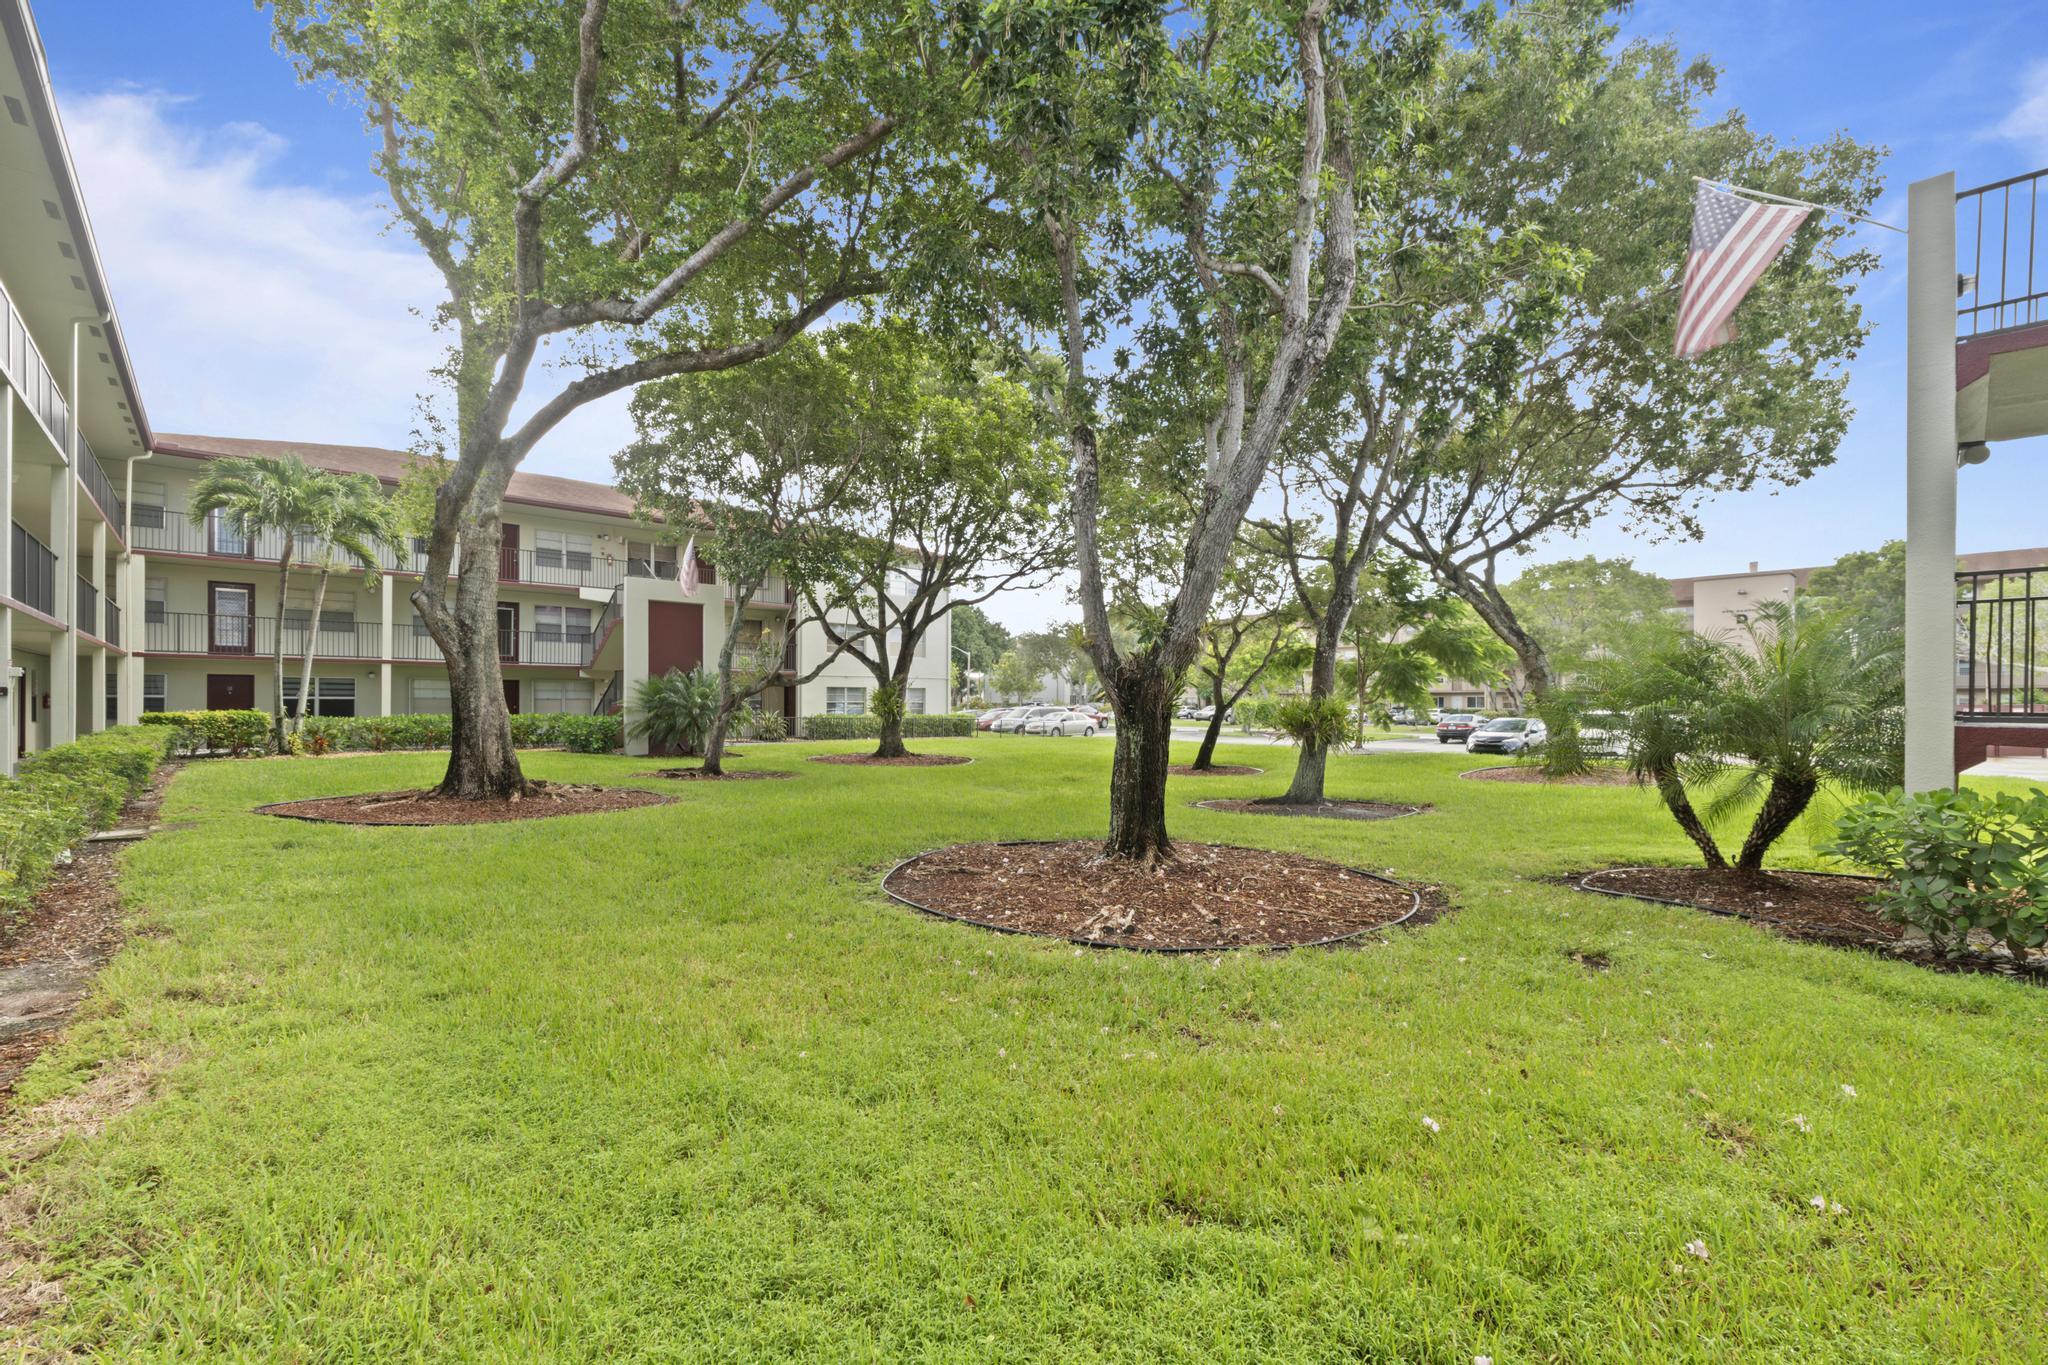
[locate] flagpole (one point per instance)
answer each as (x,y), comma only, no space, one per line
(1801,203)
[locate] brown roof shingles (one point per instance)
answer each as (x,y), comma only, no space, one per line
(539,490)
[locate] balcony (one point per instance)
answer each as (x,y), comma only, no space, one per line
(221,633)
(88,617)
(538,648)
(2002,645)
(35,572)
(31,376)
(2002,314)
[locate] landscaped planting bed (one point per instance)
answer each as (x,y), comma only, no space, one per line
(1335,808)
(1218,770)
(428,807)
(686,774)
(1534,775)
(1206,897)
(900,761)
(1806,905)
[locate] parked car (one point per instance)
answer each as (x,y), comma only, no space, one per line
(1507,735)
(1014,722)
(1103,717)
(1401,715)
(1192,711)
(1455,729)
(1603,733)
(987,719)
(1061,723)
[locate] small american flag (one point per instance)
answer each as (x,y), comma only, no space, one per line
(1734,240)
(691,577)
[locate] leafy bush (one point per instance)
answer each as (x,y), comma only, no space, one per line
(1962,860)
(953,726)
(1257,713)
(674,712)
(1319,721)
(64,793)
(766,725)
(574,731)
(216,732)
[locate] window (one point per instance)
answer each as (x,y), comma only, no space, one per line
(155,687)
(155,600)
(113,696)
(226,538)
(429,695)
(645,559)
(331,696)
(913,700)
(555,624)
(147,508)
(845,701)
(561,696)
(562,550)
(1474,701)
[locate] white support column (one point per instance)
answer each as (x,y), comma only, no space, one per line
(96,574)
(64,648)
(132,570)
(10,682)
(1931,484)
(384,641)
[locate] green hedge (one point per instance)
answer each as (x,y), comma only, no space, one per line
(870,726)
(583,734)
(65,793)
(230,732)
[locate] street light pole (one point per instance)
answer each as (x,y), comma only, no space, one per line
(960,694)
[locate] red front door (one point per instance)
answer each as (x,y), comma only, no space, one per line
(508,631)
(512,695)
(508,554)
(230,691)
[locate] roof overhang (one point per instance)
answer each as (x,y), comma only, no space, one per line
(2002,385)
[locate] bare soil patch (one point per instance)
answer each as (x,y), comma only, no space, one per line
(1220,770)
(1209,897)
(1592,777)
(907,761)
(1813,906)
(680,774)
(429,808)
(1334,809)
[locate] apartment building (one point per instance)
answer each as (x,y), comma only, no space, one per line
(590,601)
(71,424)
(113,601)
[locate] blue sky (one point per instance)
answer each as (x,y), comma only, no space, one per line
(245,239)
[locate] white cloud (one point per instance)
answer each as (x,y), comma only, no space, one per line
(2027,123)
(254,305)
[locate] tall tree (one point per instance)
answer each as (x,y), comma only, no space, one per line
(1583,609)
(752,465)
(630,189)
(1013,677)
(1253,632)
(984,641)
(1193,177)
(1405,633)
(1866,588)
(259,498)
(1604,421)
(954,500)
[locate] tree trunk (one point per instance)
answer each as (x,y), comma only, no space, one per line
(1680,806)
(1137,777)
(1538,679)
(1205,757)
(1306,787)
(890,742)
(721,726)
(1785,802)
(312,639)
(284,580)
(482,764)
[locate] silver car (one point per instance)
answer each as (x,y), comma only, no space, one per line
(1061,723)
(1015,722)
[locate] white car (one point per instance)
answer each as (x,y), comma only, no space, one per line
(1015,722)
(1507,735)
(1061,723)
(1604,733)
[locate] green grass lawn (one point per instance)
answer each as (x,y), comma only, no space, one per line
(679,1083)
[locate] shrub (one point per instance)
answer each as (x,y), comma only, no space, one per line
(868,726)
(1257,713)
(1319,721)
(1961,860)
(674,712)
(216,732)
(767,725)
(64,793)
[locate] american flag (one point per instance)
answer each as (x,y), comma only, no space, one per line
(691,575)
(1734,240)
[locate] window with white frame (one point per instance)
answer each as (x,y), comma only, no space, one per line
(146,508)
(557,696)
(552,623)
(155,688)
(562,550)
(331,696)
(429,695)
(845,701)
(913,700)
(337,616)
(155,600)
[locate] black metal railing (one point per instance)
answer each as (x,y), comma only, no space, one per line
(608,618)
(608,701)
(2002,644)
(555,648)
(32,378)
(100,487)
(111,631)
(35,572)
(88,618)
(207,632)
(1999,230)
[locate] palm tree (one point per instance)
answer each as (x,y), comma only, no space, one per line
(675,710)
(260,497)
(354,518)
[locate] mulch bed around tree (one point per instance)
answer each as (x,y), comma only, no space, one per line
(1220,770)
(1322,810)
(429,808)
(678,774)
(907,761)
(1208,897)
(1592,777)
